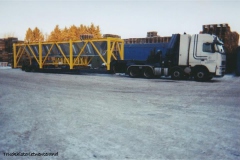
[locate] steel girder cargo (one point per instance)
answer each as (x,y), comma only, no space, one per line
(70,53)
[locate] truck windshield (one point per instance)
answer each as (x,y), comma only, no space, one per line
(219,48)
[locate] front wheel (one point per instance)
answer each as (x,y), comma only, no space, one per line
(134,72)
(201,75)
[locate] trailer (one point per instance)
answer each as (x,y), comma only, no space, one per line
(200,56)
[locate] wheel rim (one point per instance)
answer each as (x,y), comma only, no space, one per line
(147,73)
(176,74)
(133,72)
(200,74)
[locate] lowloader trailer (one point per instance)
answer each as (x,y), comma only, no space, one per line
(200,56)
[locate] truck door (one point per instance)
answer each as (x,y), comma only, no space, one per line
(198,52)
(208,53)
(202,49)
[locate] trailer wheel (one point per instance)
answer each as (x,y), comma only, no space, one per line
(23,67)
(33,69)
(201,75)
(177,74)
(148,72)
(113,70)
(134,72)
(27,69)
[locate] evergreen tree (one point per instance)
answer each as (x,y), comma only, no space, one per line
(37,35)
(29,35)
(55,35)
(65,34)
(74,33)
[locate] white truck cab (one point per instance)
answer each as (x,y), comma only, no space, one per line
(205,55)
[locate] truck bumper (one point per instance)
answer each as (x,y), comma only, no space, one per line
(220,71)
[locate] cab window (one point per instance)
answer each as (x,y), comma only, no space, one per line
(208,47)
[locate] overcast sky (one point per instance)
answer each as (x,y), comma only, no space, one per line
(127,18)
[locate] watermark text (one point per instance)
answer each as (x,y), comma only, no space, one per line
(30,154)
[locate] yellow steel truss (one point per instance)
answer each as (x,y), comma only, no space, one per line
(114,50)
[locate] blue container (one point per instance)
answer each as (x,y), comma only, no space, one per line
(142,51)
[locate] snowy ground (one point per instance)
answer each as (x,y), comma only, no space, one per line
(98,116)
(7,67)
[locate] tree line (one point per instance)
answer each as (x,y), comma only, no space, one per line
(73,32)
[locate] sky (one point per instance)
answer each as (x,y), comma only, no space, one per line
(127,18)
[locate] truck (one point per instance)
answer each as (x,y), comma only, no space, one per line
(200,56)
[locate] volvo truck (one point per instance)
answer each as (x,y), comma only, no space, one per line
(200,56)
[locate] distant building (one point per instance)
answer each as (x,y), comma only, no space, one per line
(6,48)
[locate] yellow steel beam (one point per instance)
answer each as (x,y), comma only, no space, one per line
(29,56)
(89,60)
(98,52)
(49,51)
(17,55)
(84,46)
(121,49)
(113,46)
(108,53)
(40,55)
(83,61)
(62,52)
(32,54)
(71,54)
(21,50)
(18,52)
(21,53)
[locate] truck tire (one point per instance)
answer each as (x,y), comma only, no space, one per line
(34,69)
(148,73)
(114,70)
(28,69)
(134,72)
(177,74)
(201,75)
(23,67)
